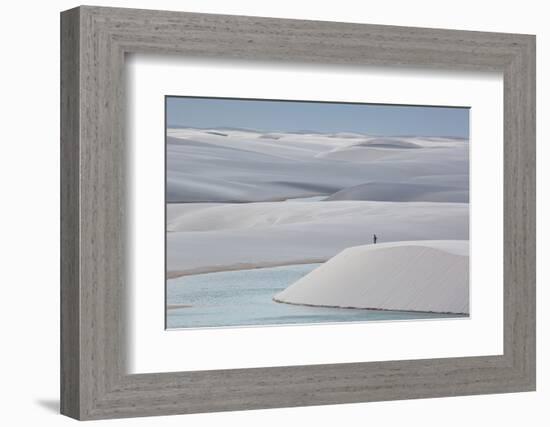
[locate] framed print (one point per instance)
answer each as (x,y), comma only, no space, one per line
(262,213)
(293,341)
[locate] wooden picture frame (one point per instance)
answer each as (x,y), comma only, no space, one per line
(94,382)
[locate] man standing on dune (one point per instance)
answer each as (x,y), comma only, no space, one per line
(374,238)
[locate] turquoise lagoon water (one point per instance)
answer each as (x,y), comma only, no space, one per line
(244,298)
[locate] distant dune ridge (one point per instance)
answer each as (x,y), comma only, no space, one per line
(431,276)
(402,192)
(395,143)
(232,166)
(219,236)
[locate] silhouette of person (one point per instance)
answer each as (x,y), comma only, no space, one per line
(374,238)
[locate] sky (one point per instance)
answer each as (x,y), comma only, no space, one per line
(284,116)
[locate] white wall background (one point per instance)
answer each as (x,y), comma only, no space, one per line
(29,225)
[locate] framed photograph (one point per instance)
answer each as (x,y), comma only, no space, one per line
(296,212)
(262,213)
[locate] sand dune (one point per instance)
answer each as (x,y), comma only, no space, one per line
(401,192)
(420,157)
(388,143)
(203,236)
(427,276)
(355,154)
(224,165)
(459,181)
(215,217)
(222,185)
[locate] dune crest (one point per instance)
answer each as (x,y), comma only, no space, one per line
(428,276)
(402,192)
(238,165)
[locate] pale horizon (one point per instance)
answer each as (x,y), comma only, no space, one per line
(317,117)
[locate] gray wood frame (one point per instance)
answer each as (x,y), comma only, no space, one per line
(94,382)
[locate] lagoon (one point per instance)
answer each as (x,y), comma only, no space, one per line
(244,298)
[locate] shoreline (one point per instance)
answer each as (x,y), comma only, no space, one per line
(449,313)
(176,306)
(241,266)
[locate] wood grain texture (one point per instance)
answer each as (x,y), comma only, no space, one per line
(70,292)
(94,381)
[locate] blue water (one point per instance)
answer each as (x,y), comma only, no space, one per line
(244,298)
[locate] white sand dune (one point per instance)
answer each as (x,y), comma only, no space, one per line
(402,192)
(355,154)
(245,216)
(388,143)
(431,276)
(225,187)
(459,181)
(227,165)
(204,236)
(177,210)
(363,153)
